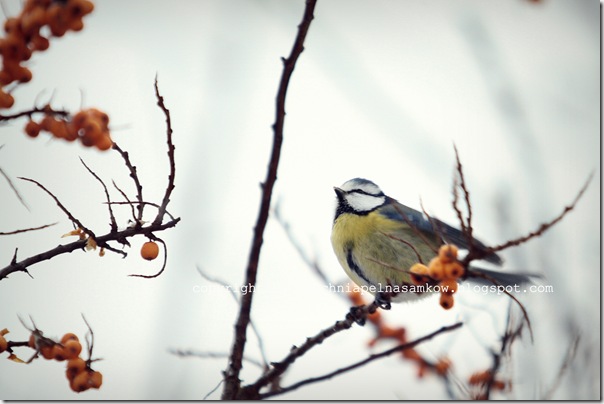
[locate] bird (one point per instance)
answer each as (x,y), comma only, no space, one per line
(377,239)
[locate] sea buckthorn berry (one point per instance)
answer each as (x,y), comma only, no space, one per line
(39,43)
(418,274)
(80,382)
(447,253)
(3,343)
(75,366)
(453,270)
(32,341)
(104,143)
(58,353)
(47,351)
(95,379)
(435,269)
(150,250)
(69,336)
(72,349)
(32,129)
(448,286)
(6,100)
(446,301)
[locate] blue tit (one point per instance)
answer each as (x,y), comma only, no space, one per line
(363,236)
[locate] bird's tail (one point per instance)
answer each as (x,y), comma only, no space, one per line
(484,276)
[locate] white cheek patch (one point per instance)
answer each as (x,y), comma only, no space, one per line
(364,203)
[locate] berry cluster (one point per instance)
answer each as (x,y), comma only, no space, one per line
(89,126)
(445,269)
(81,377)
(23,36)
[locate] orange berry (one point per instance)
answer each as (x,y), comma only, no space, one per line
(419,269)
(59,129)
(68,337)
(58,353)
(447,252)
(3,344)
(80,382)
(47,351)
(105,142)
(150,250)
(72,349)
(86,380)
(448,286)
(453,270)
(435,269)
(74,367)
(39,43)
(446,301)
(6,100)
(32,129)
(95,379)
(32,341)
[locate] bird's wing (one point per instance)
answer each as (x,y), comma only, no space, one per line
(433,228)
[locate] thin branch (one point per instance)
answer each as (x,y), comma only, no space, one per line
(494,281)
(363,362)
(127,202)
(545,226)
(568,358)
(8,233)
(467,225)
(134,176)
(310,262)
(188,353)
(62,207)
(144,203)
(236,298)
(111,216)
(162,209)
(14,188)
(47,109)
(415,229)
(232,382)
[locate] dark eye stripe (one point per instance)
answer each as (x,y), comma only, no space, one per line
(360,191)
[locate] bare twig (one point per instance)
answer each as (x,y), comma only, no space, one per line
(232,382)
(460,181)
(128,202)
(568,358)
(310,262)
(363,362)
(162,209)
(190,353)
(14,188)
(111,216)
(545,226)
(45,109)
(8,233)
(134,176)
(62,207)
(236,298)
(494,281)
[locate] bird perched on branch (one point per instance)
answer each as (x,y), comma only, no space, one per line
(377,239)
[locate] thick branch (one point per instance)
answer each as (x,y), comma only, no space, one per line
(232,382)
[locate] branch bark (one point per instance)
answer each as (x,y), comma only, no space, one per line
(232,384)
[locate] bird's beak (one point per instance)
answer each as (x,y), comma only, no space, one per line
(339,191)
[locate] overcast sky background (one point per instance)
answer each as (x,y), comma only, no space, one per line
(382,91)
